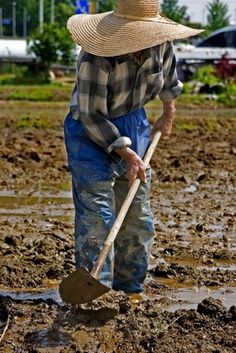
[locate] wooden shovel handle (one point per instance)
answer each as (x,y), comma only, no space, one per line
(123,211)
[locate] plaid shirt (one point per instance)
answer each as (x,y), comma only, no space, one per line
(107,88)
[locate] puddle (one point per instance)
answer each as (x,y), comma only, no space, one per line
(9,202)
(51,294)
(189,298)
(46,204)
(183,298)
(194,264)
(230,267)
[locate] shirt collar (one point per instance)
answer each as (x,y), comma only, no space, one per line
(147,53)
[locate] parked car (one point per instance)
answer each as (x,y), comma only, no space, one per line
(211,48)
(223,38)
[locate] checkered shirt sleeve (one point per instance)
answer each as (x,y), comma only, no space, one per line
(172,86)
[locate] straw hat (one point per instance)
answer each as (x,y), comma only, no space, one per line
(133,25)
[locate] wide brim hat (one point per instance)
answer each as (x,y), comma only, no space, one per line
(133,25)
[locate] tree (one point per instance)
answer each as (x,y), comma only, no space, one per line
(53,45)
(63,11)
(217,15)
(106,5)
(30,8)
(171,9)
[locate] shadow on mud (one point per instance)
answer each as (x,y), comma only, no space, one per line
(56,335)
(67,318)
(45,338)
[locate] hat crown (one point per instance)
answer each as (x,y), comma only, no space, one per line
(144,8)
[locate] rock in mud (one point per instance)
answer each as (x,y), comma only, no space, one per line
(34,156)
(10,240)
(199,227)
(124,306)
(232,311)
(211,307)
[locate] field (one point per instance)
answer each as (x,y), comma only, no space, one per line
(188,304)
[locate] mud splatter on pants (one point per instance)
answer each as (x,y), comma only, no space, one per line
(99,189)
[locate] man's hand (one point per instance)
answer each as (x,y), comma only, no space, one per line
(165,121)
(135,165)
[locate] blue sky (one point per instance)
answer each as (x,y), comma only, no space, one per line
(198,13)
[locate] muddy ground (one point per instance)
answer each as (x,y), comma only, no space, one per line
(188,304)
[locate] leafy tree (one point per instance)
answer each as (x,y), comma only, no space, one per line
(217,15)
(54,44)
(106,5)
(7,7)
(171,9)
(63,10)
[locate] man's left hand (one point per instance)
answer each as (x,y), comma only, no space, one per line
(165,121)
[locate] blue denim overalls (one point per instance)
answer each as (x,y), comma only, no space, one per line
(99,189)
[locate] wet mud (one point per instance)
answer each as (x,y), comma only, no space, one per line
(188,304)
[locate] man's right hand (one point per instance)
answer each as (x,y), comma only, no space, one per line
(135,165)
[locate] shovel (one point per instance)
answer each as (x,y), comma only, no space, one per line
(82,286)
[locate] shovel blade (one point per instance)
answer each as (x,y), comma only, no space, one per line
(81,287)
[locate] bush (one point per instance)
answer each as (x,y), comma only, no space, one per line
(53,45)
(207,75)
(21,74)
(7,79)
(228,97)
(231,88)
(188,88)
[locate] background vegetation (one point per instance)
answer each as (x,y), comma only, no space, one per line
(53,44)
(28,11)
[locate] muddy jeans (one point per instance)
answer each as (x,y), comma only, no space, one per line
(99,189)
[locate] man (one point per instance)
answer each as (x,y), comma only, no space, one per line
(126,60)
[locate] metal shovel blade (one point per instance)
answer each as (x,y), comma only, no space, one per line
(81,287)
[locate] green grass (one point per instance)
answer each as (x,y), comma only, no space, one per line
(44,93)
(59,92)
(185,126)
(32,95)
(187,100)
(27,121)
(210,116)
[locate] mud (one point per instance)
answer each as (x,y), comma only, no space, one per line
(188,304)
